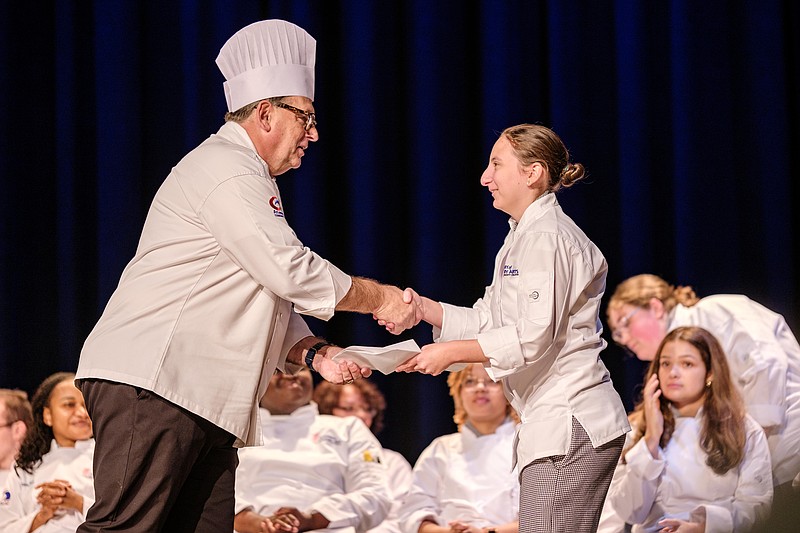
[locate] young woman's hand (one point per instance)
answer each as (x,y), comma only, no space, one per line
(434,359)
(653,416)
(59,494)
(463,527)
(672,525)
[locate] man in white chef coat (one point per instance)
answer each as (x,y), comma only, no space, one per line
(208,307)
(315,472)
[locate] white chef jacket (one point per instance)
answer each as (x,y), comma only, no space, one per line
(679,484)
(539,325)
(399,476)
(203,312)
(464,476)
(315,462)
(764,358)
(18,505)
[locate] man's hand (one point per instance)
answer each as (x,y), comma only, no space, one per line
(384,302)
(426,309)
(303,521)
(399,310)
(252,522)
(339,372)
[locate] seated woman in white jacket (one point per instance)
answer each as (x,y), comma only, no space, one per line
(465,482)
(695,460)
(313,472)
(50,487)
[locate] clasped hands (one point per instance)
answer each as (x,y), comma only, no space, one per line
(285,519)
(54,496)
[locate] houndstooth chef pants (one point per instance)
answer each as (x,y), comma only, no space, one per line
(565,493)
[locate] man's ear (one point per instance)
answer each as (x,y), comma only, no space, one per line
(263,113)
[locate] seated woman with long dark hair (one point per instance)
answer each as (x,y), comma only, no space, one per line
(51,487)
(696,460)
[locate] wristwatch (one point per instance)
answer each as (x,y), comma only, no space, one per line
(312,352)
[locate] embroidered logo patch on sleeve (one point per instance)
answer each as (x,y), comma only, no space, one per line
(370,458)
(275,204)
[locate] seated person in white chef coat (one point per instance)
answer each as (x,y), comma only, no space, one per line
(50,487)
(364,400)
(465,482)
(313,472)
(696,461)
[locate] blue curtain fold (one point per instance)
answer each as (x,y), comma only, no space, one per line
(685,114)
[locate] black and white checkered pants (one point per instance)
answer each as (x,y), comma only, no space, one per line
(565,493)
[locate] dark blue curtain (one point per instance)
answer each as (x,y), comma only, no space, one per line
(686,114)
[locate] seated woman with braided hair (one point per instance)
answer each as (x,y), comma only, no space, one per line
(695,460)
(51,487)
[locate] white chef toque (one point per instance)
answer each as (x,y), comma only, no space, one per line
(267,59)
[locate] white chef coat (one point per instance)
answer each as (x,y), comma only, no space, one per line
(399,476)
(764,358)
(679,483)
(539,325)
(18,505)
(203,312)
(464,476)
(610,520)
(315,462)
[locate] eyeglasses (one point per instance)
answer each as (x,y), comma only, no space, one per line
(472,384)
(622,325)
(350,409)
(9,424)
(309,117)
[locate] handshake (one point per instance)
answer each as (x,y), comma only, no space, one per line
(400,310)
(395,309)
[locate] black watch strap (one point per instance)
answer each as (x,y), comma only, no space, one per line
(312,352)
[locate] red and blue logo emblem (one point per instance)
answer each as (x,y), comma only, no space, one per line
(275,204)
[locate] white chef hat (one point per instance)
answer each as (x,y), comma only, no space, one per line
(266,59)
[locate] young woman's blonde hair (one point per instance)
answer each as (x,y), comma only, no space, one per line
(723,428)
(532,143)
(456,382)
(639,290)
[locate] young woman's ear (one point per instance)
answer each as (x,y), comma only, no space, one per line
(535,172)
(657,307)
(47,416)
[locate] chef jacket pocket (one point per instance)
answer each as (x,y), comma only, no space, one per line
(535,298)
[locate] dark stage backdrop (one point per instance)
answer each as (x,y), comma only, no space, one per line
(686,115)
